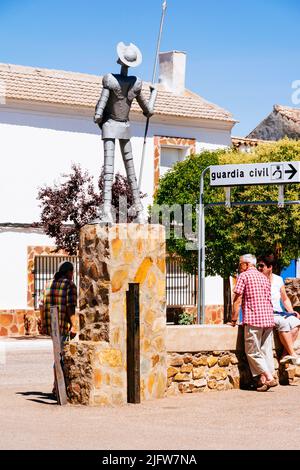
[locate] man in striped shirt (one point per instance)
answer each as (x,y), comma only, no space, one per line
(253,292)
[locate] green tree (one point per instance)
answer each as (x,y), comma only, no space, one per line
(231,232)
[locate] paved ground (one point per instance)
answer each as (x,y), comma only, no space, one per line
(30,419)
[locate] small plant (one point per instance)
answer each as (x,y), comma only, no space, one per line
(185,318)
(27,324)
(39,326)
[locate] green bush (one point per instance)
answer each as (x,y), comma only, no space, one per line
(185,318)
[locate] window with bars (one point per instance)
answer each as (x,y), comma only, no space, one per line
(181,286)
(44,269)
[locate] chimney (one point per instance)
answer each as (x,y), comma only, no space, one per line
(172,71)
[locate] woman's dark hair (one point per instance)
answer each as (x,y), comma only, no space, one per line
(268,259)
(64,269)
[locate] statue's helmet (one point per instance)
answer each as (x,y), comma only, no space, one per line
(129,55)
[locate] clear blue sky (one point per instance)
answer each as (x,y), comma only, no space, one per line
(242,54)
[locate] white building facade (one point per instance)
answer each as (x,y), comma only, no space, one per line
(46,124)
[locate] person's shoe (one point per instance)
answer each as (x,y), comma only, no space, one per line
(272,383)
(262,387)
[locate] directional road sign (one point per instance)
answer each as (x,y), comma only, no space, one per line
(255,173)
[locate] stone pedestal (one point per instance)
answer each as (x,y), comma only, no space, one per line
(111,257)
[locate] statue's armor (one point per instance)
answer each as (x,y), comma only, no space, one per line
(123,91)
(112,115)
(114,104)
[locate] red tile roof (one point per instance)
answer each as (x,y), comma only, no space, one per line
(78,89)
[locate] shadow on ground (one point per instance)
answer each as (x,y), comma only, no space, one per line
(29,337)
(41,397)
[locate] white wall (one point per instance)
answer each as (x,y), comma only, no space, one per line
(214,290)
(37,147)
(13,267)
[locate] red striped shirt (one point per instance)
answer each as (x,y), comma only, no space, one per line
(256,304)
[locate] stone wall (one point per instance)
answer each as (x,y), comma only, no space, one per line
(292,286)
(212,358)
(205,371)
(218,370)
(111,257)
(12,322)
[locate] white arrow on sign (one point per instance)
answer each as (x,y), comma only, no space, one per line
(255,173)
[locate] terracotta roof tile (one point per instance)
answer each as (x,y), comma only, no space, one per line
(290,113)
(248,142)
(78,89)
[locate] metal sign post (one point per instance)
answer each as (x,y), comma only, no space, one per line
(236,175)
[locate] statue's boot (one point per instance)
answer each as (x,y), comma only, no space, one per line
(106,216)
(137,211)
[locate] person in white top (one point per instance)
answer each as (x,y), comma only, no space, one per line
(287,322)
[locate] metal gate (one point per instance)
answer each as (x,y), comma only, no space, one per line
(181,286)
(44,269)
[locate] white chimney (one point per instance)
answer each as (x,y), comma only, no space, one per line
(172,71)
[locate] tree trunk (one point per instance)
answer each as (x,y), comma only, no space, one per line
(227,299)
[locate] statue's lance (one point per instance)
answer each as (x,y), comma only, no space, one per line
(164,7)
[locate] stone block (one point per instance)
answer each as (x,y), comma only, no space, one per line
(212,384)
(101,400)
(172,390)
(111,257)
(199,372)
(176,361)
(224,361)
(110,357)
(217,373)
(6,320)
(200,383)
(143,270)
(172,371)
(14,329)
(186,368)
(200,361)
(221,386)
(119,279)
(187,358)
(212,361)
(182,377)
(97,378)
(155,359)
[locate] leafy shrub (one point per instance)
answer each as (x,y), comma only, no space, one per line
(185,318)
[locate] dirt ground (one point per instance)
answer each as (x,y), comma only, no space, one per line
(30,418)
